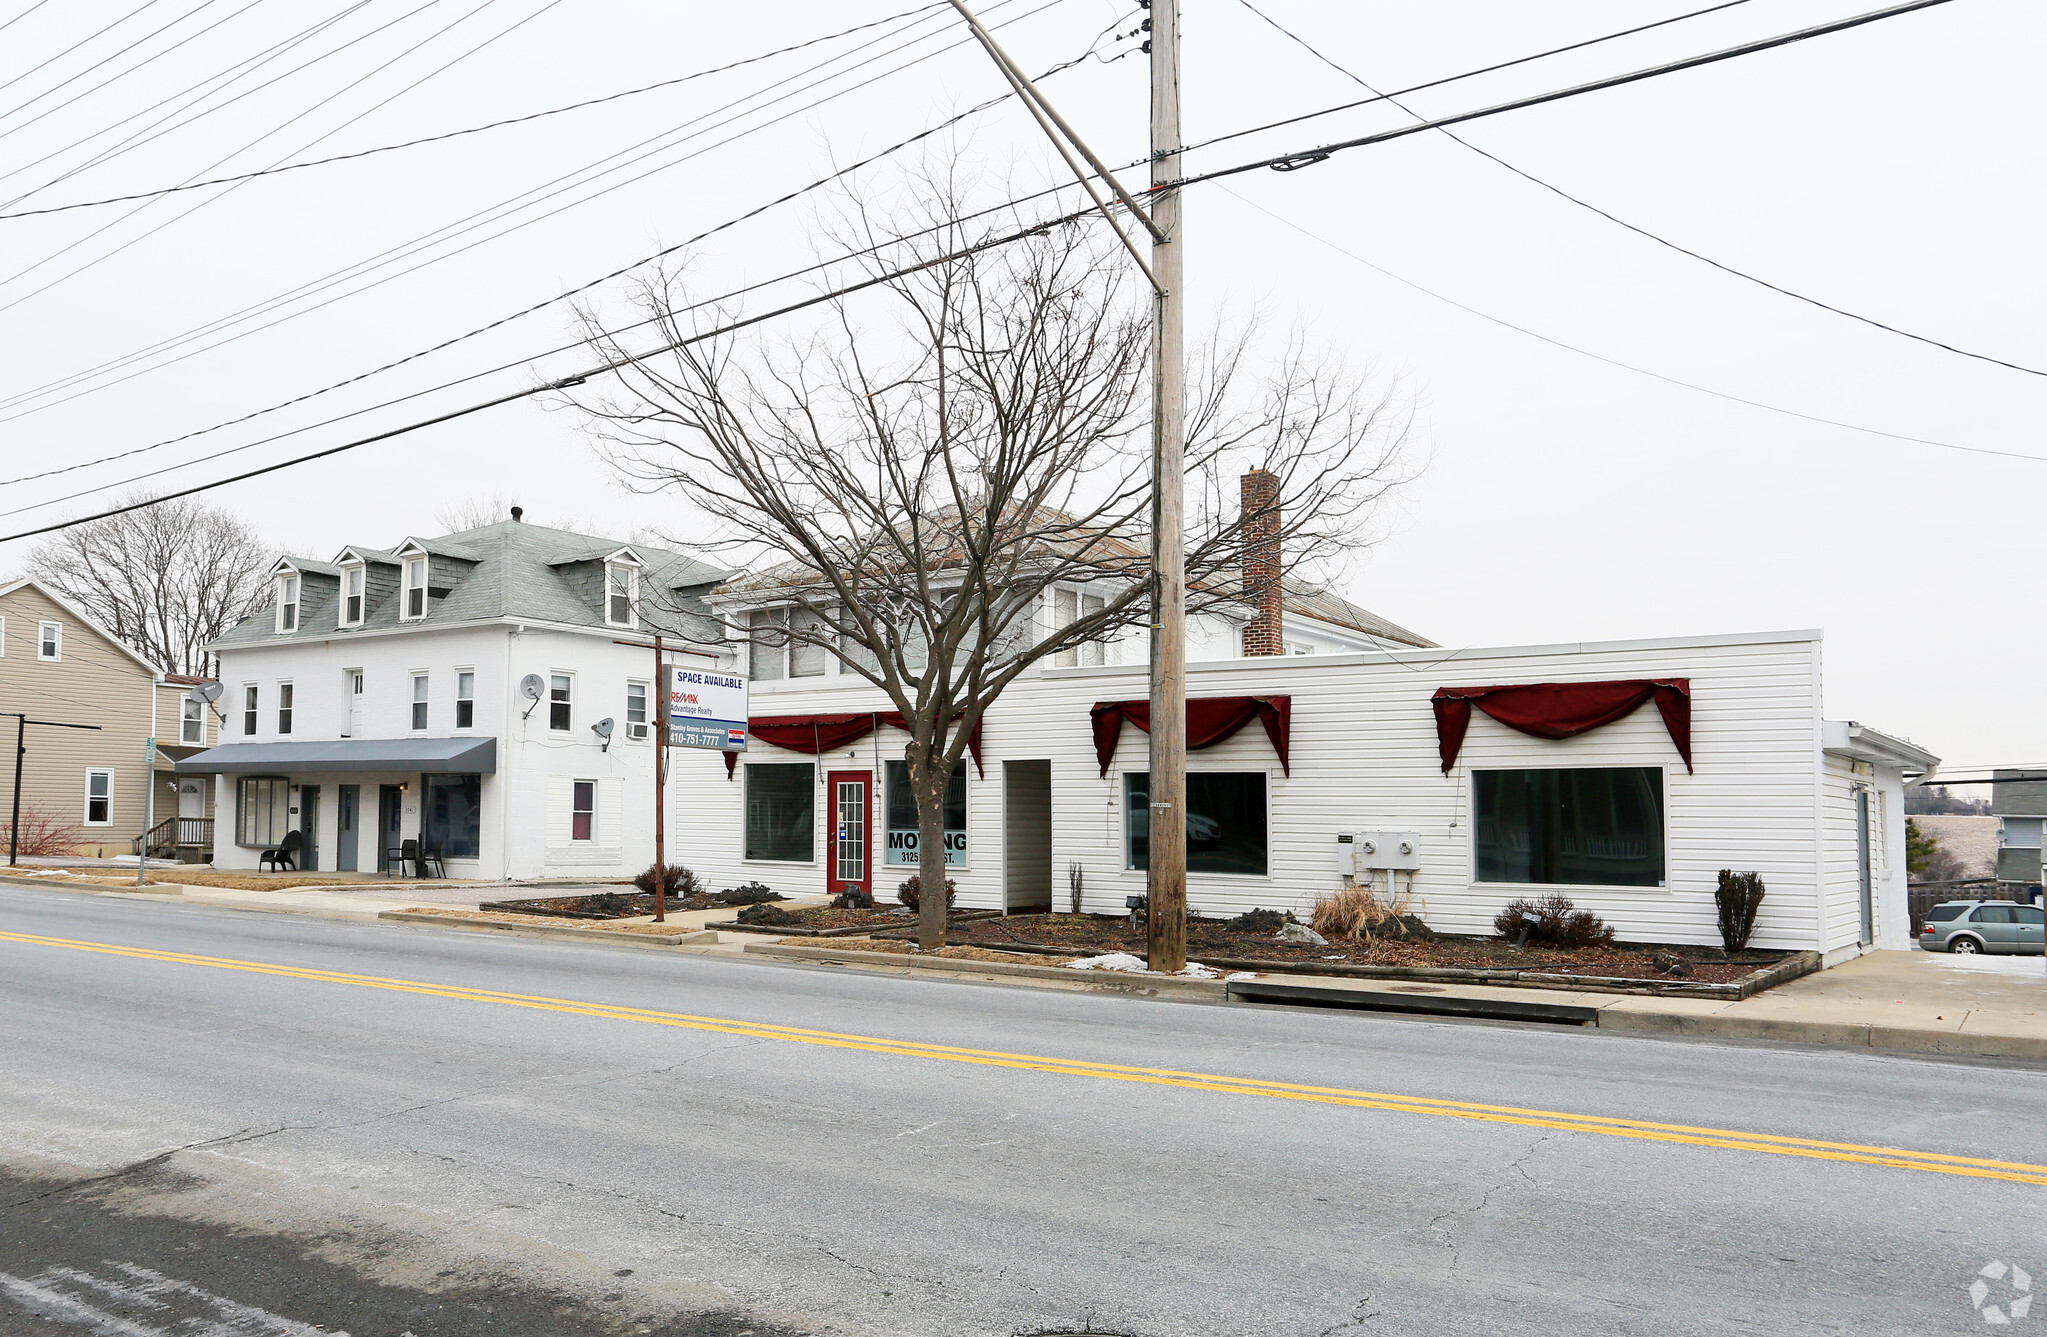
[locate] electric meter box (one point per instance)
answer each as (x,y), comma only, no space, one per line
(1346,853)
(1378,850)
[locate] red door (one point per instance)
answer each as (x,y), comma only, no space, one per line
(849,828)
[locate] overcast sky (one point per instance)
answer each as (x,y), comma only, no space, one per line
(1892,170)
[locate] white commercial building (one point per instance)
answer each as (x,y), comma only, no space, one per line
(1613,816)
(486,698)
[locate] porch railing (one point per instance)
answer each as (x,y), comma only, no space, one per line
(172,834)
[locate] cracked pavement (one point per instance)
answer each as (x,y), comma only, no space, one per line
(381,1163)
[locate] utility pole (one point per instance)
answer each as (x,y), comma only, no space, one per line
(659,728)
(21,723)
(1166,882)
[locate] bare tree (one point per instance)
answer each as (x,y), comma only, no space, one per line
(165,579)
(473,512)
(907,492)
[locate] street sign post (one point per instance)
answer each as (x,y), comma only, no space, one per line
(706,709)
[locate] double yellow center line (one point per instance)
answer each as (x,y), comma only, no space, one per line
(1644,1130)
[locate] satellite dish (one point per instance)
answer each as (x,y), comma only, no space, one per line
(532,687)
(208,691)
(602,728)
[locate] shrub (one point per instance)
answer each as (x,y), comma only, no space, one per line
(852,899)
(680,881)
(748,893)
(1256,921)
(762,913)
(1076,878)
(1359,912)
(912,892)
(1739,896)
(42,834)
(1554,921)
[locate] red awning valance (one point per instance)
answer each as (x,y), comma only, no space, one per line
(1562,710)
(1210,720)
(815,735)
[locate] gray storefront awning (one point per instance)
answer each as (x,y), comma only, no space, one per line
(468,756)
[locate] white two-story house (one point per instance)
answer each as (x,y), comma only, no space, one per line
(489,694)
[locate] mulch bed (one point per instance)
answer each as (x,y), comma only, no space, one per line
(1210,940)
(823,919)
(605,905)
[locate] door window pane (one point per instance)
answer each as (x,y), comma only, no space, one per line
(1579,827)
(849,810)
(901,843)
(781,814)
(453,825)
(1225,821)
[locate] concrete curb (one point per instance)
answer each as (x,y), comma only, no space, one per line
(691,936)
(1108,980)
(1846,1034)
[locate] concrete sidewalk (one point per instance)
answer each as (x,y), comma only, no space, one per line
(1910,1001)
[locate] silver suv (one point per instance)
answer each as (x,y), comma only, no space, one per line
(1984,926)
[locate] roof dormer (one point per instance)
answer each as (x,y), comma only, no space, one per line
(622,571)
(290,591)
(413,590)
(354,602)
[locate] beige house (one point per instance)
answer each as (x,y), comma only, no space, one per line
(57,665)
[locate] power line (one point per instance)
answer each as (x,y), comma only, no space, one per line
(578,378)
(24,272)
(1454,78)
(1634,228)
(122,74)
(23,14)
(476,129)
(558,298)
(83,41)
(1628,366)
(1287,162)
(193,93)
(399,252)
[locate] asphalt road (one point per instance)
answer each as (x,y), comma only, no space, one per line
(393,1129)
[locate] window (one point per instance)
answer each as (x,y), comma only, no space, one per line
(50,641)
(1225,821)
(415,587)
(191,720)
(583,810)
(419,690)
(452,824)
(770,644)
(781,814)
(284,708)
(351,596)
(901,842)
(249,700)
(3,638)
(99,797)
(287,603)
(465,700)
(1590,827)
(621,593)
(558,703)
(1993,914)
(2031,916)
(1068,606)
(636,710)
(807,658)
(262,809)
(1942,913)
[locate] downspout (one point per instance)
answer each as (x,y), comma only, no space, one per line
(1819,807)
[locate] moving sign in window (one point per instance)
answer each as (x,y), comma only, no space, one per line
(1600,826)
(1225,821)
(902,817)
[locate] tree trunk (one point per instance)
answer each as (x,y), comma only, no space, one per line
(928,782)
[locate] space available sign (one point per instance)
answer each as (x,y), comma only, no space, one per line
(706,709)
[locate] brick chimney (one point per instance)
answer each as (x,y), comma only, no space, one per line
(1265,633)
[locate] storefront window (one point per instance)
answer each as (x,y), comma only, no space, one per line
(902,817)
(1225,821)
(262,809)
(1589,827)
(781,812)
(453,825)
